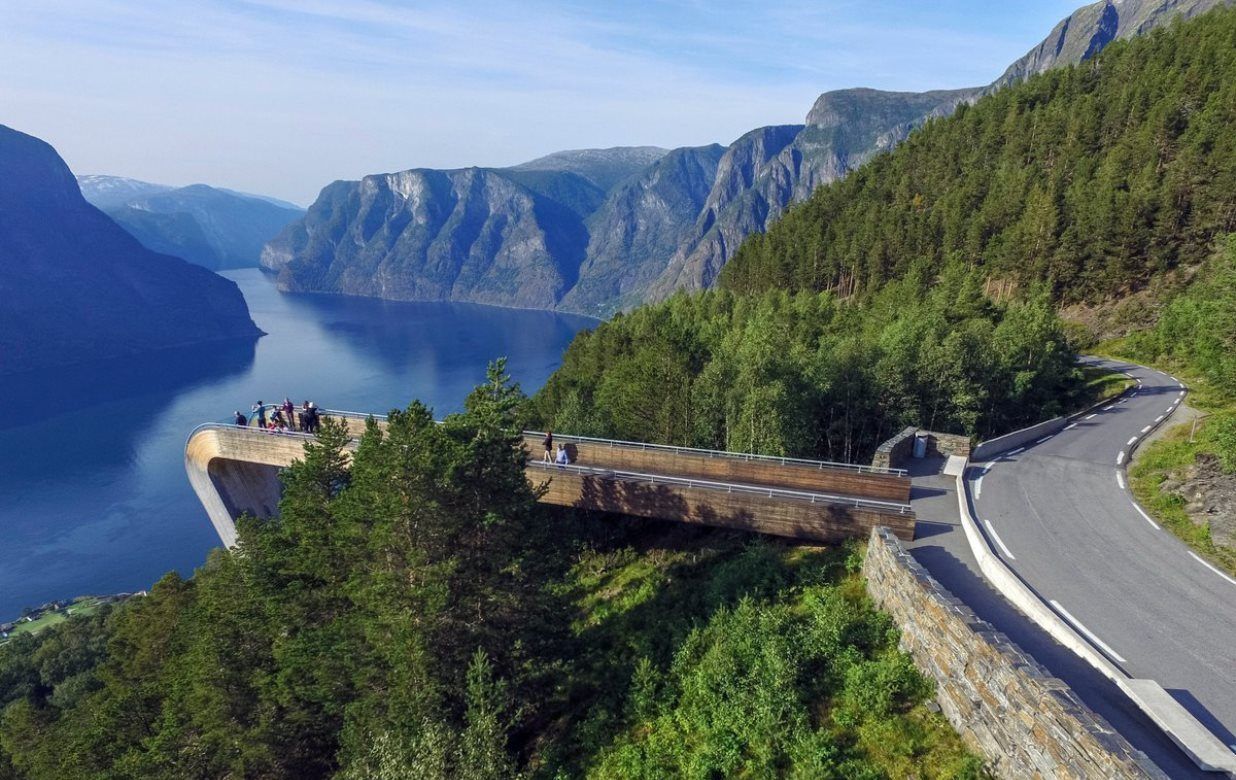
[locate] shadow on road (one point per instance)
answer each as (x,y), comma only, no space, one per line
(1199,711)
(1096,691)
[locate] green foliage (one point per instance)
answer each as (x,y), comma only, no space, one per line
(402,619)
(800,679)
(1197,328)
(1092,178)
(808,375)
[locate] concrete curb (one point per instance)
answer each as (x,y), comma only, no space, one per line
(1195,740)
(987,450)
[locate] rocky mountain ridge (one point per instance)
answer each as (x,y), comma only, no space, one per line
(639,223)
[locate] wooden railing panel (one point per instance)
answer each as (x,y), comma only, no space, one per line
(825,523)
(793,476)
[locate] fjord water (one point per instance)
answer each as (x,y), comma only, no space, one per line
(93,493)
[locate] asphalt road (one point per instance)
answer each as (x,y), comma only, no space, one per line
(1060,514)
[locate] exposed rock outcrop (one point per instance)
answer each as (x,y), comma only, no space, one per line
(1092,28)
(1209,494)
(466,235)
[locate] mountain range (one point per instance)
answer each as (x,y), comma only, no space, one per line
(208,226)
(76,287)
(596,231)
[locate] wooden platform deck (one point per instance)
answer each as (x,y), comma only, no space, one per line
(235,470)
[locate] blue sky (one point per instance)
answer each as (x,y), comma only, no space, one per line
(283,96)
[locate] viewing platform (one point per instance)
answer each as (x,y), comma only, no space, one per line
(235,469)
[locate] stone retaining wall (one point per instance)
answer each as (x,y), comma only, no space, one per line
(1023,721)
(892,454)
(948,444)
(989,449)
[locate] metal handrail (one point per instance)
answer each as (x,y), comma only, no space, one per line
(728,487)
(634,476)
(819,464)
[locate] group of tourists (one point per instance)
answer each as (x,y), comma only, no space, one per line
(560,457)
(281,418)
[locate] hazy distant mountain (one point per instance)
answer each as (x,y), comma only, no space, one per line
(602,167)
(74,286)
(209,226)
(652,221)
(111,191)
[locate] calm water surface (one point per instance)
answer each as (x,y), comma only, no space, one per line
(93,493)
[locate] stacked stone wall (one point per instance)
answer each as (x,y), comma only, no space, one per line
(893,453)
(948,444)
(1023,721)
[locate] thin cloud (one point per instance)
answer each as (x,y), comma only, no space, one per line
(282,96)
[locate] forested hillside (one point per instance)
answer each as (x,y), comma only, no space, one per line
(812,375)
(1092,178)
(416,614)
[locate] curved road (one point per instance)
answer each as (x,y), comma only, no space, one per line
(1059,513)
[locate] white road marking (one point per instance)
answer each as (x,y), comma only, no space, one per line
(1120,458)
(1096,414)
(1131,442)
(1089,634)
(1150,520)
(978,488)
(1108,408)
(1120,479)
(1169,409)
(1045,438)
(1019,449)
(1070,426)
(999,541)
(1159,419)
(1146,429)
(1208,565)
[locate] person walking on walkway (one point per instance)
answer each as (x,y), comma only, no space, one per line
(259,410)
(289,413)
(240,419)
(548,457)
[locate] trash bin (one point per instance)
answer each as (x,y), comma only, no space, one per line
(920,446)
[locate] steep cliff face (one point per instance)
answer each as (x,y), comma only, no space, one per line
(652,221)
(467,235)
(74,286)
(642,222)
(209,226)
(768,169)
(1091,28)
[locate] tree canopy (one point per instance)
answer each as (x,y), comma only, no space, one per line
(1091,178)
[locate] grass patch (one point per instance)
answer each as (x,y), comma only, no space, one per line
(1155,463)
(85,606)
(1173,452)
(1100,384)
